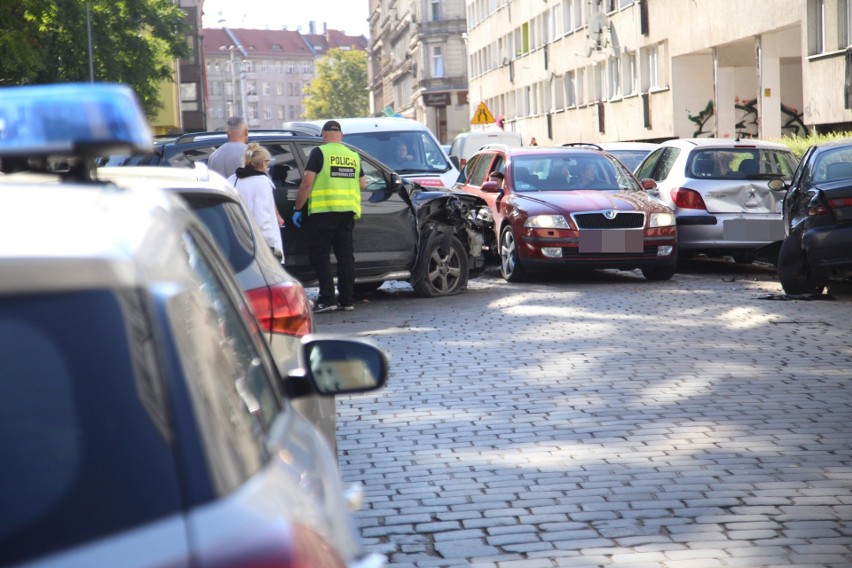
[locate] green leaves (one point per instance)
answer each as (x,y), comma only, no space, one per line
(135,42)
(340,87)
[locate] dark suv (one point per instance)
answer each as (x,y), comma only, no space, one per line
(431,238)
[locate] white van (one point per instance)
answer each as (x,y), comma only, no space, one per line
(406,146)
(466,144)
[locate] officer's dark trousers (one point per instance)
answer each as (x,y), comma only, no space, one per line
(327,232)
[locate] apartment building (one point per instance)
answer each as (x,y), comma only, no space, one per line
(262,74)
(417,64)
(605,70)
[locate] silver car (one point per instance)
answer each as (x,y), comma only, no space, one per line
(143,419)
(719,191)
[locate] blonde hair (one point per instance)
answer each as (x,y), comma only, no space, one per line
(256,155)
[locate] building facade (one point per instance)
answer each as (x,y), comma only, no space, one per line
(262,74)
(604,70)
(417,65)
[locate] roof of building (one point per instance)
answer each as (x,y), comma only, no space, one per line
(277,43)
(333,39)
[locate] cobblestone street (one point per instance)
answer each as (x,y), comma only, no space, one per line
(604,420)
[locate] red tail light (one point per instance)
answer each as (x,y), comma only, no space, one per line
(282,308)
(840,202)
(687,198)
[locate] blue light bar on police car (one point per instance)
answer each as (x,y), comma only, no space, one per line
(77,119)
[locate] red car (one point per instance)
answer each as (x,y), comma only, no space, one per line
(571,207)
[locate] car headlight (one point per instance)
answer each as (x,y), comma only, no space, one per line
(662,220)
(547,222)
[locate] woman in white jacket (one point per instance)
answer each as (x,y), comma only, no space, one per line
(256,190)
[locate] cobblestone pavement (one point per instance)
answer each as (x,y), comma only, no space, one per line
(603,420)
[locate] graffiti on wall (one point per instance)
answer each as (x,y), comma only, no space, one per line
(747,119)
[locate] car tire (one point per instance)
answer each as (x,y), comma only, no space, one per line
(657,273)
(510,262)
(794,272)
(441,274)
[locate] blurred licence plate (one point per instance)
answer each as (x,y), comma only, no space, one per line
(610,240)
(760,230)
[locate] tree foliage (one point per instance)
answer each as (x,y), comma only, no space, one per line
(134,42)
(340,87)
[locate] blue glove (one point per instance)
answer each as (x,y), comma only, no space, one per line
(297,218)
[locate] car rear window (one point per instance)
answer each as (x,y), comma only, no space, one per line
(227,222)
(84,438)
(741,163)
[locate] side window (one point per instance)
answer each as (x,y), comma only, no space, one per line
(648,164)
(480,170)
(664,164)
(284,169)
(498,165)
(375,177)
(187,157)
(229,383)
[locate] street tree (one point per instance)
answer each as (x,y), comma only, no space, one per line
(340,87)
(134,42)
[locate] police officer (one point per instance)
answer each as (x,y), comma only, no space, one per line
(331,187)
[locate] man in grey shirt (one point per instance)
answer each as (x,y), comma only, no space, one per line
(230,155)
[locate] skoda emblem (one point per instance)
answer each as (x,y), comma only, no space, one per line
(610,214)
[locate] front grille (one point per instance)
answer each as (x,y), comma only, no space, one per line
(598,220)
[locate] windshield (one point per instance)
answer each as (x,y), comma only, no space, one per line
(561,172)
(741,163)
(630,158)
(406,152)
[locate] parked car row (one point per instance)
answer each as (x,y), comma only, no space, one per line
(744,199)
(148,415)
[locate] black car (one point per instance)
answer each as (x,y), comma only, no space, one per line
(818,220)
(432,238)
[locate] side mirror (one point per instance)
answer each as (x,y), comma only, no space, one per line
(335,365)
(777,184)
(490,187)
(396,182)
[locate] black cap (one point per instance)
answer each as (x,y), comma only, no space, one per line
(331,125)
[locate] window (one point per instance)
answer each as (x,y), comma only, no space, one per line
(599,76)
(650,75)
(252,110)
(568,16)
(266,89)
(614,72)
(435,10)
(628,73)
(844,34)
(570,96)
(267,112)
(231,390)
(816,26)
(251,87)
(581,86)
(307,68)
(437,61)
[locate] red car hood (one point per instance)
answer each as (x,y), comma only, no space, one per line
(591,200)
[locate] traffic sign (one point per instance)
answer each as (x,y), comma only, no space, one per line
(482,115)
